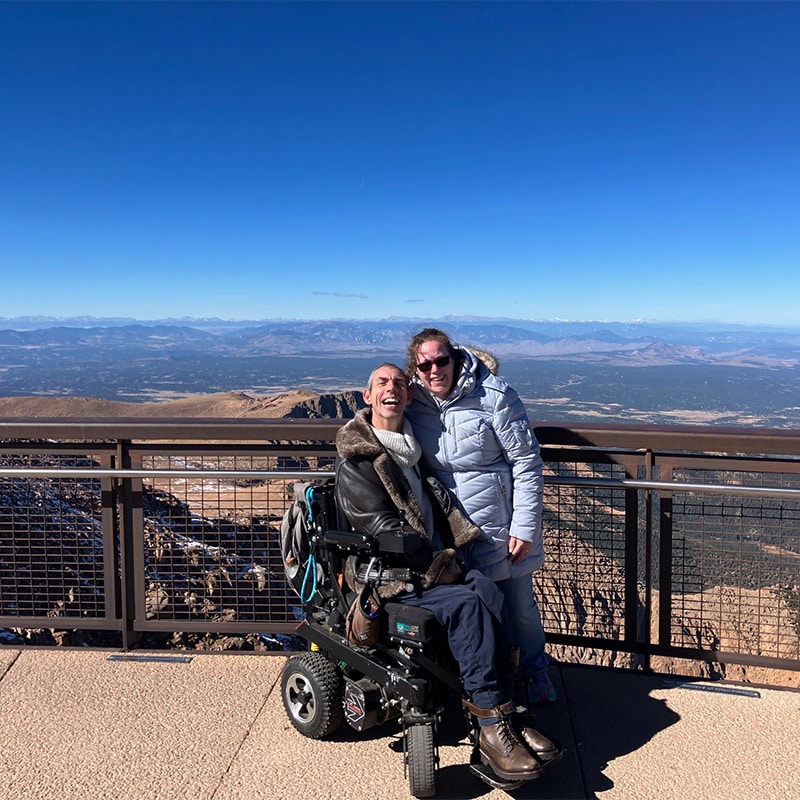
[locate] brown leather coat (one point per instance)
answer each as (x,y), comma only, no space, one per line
(376,498)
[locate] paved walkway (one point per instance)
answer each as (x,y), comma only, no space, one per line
(78,724)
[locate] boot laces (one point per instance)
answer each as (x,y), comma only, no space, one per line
(507,735)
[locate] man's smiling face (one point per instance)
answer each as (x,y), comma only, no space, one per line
(388,395)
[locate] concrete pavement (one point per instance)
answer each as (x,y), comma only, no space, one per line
(86,724)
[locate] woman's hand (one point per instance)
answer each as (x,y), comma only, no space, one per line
(518,549)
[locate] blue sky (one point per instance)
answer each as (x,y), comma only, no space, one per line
(260,160)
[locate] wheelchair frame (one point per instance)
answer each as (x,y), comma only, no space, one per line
(406,674)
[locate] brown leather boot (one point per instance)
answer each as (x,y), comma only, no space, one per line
(544,749)
(503,751)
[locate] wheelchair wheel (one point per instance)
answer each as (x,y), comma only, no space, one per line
(421,756)
(313,692)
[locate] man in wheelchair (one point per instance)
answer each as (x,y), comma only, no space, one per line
(381,491)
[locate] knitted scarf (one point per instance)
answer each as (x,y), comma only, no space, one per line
(405,450)
(402,447)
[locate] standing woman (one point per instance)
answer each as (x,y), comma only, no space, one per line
(476,438)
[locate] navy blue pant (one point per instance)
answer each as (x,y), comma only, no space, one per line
(471,612)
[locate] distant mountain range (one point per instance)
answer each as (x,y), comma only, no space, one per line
(642,372)
(609,343)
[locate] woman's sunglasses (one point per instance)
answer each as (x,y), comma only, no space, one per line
(425,366)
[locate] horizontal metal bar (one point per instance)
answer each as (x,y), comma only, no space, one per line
(150,657)
(215,626)
(239,474)
(240,429)
(61,623)
(679,438)
(672,486)
(726,657)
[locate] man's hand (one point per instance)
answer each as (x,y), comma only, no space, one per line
(518,549)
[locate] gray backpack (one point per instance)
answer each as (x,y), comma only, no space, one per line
(309,512)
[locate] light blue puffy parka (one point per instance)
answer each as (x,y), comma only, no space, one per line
(480,444)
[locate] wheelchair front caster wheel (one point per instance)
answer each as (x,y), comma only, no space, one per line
(421,760)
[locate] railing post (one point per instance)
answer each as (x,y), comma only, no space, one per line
(130,504)
(647,622)
(109,509)
(631,609)
(665,561)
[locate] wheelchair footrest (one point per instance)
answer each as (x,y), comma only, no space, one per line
(488,775)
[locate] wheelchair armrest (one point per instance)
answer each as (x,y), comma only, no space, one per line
(407,550)
(405,544)
(349,540)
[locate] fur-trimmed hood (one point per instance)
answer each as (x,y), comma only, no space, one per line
(492,364)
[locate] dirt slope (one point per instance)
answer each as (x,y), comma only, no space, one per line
(222,404)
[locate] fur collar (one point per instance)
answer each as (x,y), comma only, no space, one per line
(357,439)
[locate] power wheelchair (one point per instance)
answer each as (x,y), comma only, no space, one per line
(407,674)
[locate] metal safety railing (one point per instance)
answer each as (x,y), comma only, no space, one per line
(664,546)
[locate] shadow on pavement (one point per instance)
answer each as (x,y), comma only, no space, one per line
(599,716)
(611,714)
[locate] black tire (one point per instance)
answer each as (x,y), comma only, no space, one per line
(421,754)
(313,692)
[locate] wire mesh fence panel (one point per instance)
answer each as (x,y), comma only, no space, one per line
(52,548)
(212,548)
(581,587)
(736,565)
(649,553)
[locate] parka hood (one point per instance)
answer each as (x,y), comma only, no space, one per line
(492,364)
